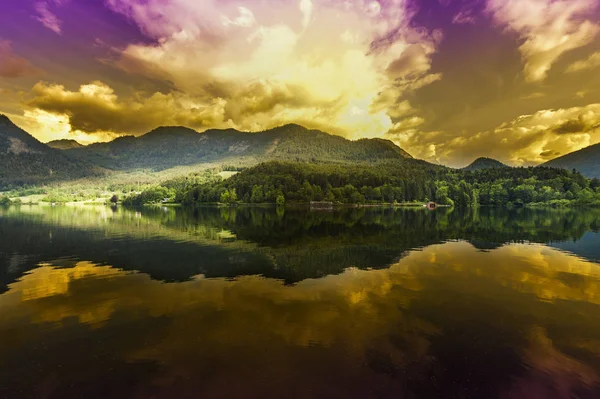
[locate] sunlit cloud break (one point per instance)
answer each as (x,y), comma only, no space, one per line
(356,68)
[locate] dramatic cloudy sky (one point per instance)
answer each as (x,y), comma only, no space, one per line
(448,80)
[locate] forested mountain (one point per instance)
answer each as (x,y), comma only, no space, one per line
(64,144)
(23,159)
(166,147)
(484,163)
(586,161)
(287,164)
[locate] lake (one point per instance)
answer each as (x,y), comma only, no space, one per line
(270,303)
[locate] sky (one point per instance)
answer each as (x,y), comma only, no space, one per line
(447,80)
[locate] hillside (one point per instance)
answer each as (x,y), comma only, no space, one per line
(23,159)
(167,147)
(484,163)
(64,144)
(586,161)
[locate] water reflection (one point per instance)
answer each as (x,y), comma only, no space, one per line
(447,321)
(173,244)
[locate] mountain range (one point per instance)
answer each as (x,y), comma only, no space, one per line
(167,147)
(25,160)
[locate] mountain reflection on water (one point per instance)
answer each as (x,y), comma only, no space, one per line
(259,303)
(175,244)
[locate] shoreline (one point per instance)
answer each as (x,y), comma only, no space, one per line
(322,207)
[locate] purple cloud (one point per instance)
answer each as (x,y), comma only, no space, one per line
(47,17)
(11,65)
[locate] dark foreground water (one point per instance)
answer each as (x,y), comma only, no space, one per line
(261,303)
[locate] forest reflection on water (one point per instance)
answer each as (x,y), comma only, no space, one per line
(211,303)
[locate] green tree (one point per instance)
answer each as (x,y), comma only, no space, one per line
(5,201)
(229,196)
(442,195)
(257,196)
(280,200)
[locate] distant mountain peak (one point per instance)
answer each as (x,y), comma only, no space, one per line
(291,126)
(390,144)
(9,129)
(168,132)
(485,163)
(24,159)
(5,120)
(64,144)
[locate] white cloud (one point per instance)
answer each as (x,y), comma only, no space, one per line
(245,19)
(548,29)
(306,7)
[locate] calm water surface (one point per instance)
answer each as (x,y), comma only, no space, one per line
(262,303)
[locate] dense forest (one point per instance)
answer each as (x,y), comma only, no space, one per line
(405,181)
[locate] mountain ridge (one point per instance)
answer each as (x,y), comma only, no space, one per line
(586,161)
(64,144)
(25,160)
(170,146)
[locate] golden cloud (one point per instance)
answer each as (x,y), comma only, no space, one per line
(548,28)
(593,61)
(527,140)
(95,108)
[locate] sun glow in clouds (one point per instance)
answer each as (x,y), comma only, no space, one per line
(296,65)
(407,70)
